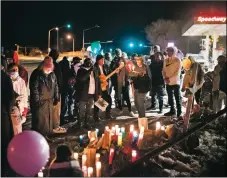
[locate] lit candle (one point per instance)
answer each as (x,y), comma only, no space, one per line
(84,160)
(84,169)
(158,126)
(92,139)
(142,130)
(40,174)
(103,135)
(119,140)
(111,156)
(135,136)
(90,172)
(81,139)
(131,128)
(123,131)
(97,132)
(134,154)
(140,140)
(88,133)
(131,132)
(113,130)
(162,127)
(107,128)
(76,155)
(98,169)
(97,157)
(116,129)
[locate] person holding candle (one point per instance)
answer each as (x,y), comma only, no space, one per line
(141,77)
(63,165)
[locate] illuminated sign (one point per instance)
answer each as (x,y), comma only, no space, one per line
(210,20)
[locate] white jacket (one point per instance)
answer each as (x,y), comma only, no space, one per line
(21,89)
(172,70)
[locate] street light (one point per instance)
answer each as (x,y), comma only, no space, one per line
(57,29)
(70,37)
(96,26)
(131,45)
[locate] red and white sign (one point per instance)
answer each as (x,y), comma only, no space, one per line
(210,20)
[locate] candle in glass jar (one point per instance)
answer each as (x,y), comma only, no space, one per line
(98,169)
(97,157)
(111,155)
(81,139)
(92,139)
(90,172)
(84,169)
(97,132)
(119,140)
(84,160)
(123,131)
(158,126)
(107,128)
(131,128)
(75,155)
(134,154)
(116,129)
(163,128)
(135,136)
(40,174)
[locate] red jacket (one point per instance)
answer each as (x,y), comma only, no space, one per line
(16,57)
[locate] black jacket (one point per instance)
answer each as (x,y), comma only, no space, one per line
(156,73)
(82,84)
(223,84)
(58,74)
(141,83)
(65,71)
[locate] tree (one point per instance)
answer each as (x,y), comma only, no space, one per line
(163,31)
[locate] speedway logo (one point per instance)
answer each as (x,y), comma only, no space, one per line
(211,19)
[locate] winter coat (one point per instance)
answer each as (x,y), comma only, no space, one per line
(82,84)
(65,169)
(223,83)
(58,74)
(76,67)
(141,83)
(23,73)
(16,57)
(7,102)
(65,71)
(156,73)
(21,89)
(44,93)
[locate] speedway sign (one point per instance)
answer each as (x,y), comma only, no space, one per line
(210,20)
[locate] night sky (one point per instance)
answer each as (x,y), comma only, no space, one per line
(27,23)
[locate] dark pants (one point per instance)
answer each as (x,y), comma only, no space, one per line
(108,99)
(139,99)
(157,91)
(85,108)
(124,96)
(174,90)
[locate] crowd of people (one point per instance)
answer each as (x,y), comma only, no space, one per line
(68,90)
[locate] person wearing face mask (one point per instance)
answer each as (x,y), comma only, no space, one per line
(20,110)
(45,94)
(85,92)
(157,81)
(171,73)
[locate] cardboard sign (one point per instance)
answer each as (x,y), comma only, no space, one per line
(101,104)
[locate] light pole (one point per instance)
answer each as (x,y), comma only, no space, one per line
(56,28)
(96,26)
(69,37)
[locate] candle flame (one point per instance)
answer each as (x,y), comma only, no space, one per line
(158,125)
(98,165)
(131,128)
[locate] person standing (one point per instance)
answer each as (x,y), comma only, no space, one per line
(57,108)
(158,84)
(99,68)
(171,74)
(7,102)
(85,92)
(141,78)
(46,96)
(20,109)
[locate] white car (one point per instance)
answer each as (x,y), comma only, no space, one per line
(199,58)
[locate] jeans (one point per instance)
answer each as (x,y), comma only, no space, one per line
(174,90)
(139,99)
(159,92)
(108,99)
(85,108)
(124,96)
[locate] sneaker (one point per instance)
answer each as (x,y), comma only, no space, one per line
(132,114)
(59,130)
(170,113)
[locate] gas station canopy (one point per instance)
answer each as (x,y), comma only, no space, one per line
(205,25)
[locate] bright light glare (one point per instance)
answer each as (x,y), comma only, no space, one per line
(69,36)
(111,49)
(57,28)
(140,45)
(170,44)
(69,26)
(131,44)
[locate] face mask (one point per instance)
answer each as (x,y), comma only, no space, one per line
(14,74)
(47,72)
